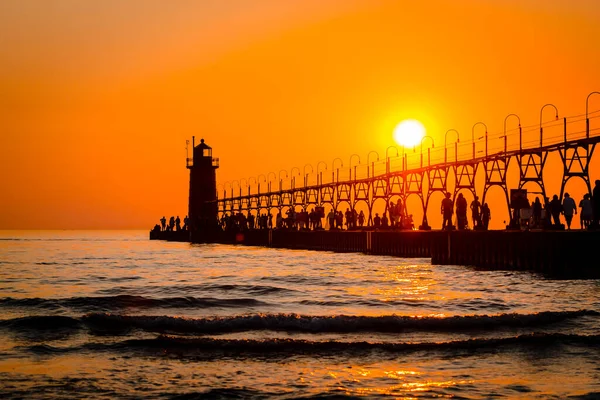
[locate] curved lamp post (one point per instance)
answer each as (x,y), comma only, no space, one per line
(473,137)
(587,120)
(455,145)
(269,178)
(305,175)
(352,156)
(542,129)
(293,177)
(255,182)
(264,180)
(320,176)
(286,176)
(333,167)
(520,132)
(428,150)
(387,157)
(373,163)
(244,179)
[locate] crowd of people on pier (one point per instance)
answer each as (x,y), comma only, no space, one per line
(480,214)
(174,224)
(525,215)
(315,219)
(537,215)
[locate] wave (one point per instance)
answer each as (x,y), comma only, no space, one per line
(106,303)
(167,345)
(103,322)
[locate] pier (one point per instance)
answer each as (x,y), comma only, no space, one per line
(470,167)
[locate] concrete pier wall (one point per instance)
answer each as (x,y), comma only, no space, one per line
(561,254)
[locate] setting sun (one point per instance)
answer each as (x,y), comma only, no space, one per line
(409,133)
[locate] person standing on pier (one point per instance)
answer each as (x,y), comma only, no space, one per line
(569,208)
(361,218)
(447,212)
(475,212)
(178,224)
(163,223)
(331,219)
(486,215)
(586,214)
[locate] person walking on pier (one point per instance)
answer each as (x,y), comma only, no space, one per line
(171,223)
(569,208)
(537,212)
(586,214)
(447,211)
(163,223)
(555,209)
(361,218)
(178,224)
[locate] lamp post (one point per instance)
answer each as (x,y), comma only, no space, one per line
(240,186)
(225,189)
(249,180)
(387,158)
(428,150)
(338,170)
(286,176)
(269,178)
(320,175)
(542,129)
(473,137)
(587,120)
(455,145)
(352,156)
(264,180)
(305,175)
(293,183)
(244,179)
(373,163)
(520,133)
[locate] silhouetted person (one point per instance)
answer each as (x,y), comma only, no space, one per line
(476,212)
(568,209)
(361,218)
(377,221)
(486,215)
(384,221)
(461,211)
(163,223)
(537,212)
(177,223)
(447,212)
(171,223)
(186,223)
(586,215)
(596,204)
(555,210)
(331,219)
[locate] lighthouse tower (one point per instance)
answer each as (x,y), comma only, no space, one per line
(202,205)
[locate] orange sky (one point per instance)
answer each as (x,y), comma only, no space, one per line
(98,98)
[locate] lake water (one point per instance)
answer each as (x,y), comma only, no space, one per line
(110,314)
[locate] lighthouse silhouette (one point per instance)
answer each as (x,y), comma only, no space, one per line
(202,203)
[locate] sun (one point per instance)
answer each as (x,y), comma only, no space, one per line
(409,133)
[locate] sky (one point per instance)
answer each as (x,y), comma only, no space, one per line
(99,98)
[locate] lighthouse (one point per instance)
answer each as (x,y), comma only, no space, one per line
(202,203)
